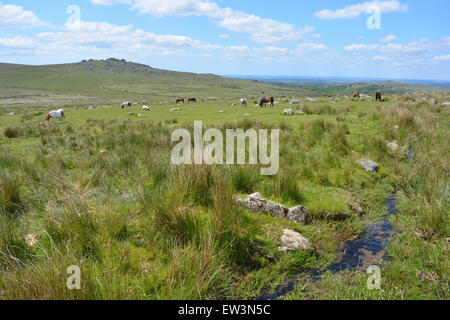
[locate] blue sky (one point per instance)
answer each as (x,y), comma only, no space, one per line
(346,38)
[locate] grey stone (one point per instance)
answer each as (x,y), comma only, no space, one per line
(256,204)
(294,102)
(288,111)
(293,241)
(297,214)
(370,166)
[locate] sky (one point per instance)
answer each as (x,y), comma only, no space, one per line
(398,39)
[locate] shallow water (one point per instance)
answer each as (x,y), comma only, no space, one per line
(412,154)
(354,255)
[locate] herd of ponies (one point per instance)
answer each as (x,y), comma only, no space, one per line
(59,114)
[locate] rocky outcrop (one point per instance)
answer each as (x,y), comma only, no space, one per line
(293,241)
(288,111)
(255,203)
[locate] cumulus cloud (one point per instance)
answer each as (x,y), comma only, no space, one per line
(411,48)
(389,38)
(355,10)
(442,57)
(109,2)
(125,38)
(361,47)
(380,58)
(19,42)
(16,16)
(414,53)
(262,30)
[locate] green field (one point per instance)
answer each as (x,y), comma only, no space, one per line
(97,189)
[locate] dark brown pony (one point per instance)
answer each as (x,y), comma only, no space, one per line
(180,100)
(378,96)
(266,100)
(193,100)
(356,95)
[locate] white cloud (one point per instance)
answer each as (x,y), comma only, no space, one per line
(311,47)
(355,10)
(361,47)
(411,48)
(109,2)
(442,57)
(262,30)
(19,42)
(108,36)
(412,54)
(274,51)
(380,58)
(16,16)
(224,36)
(389,38)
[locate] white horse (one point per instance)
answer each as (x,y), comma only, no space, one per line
(244,102)
(56,114)
(146,108)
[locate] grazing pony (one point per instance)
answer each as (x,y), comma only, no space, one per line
(193,100)
(266,100)
(378,96)
(356,95)
(180,100)
(55,114)
(244,102)
(126,104)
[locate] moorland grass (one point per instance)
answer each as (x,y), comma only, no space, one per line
(100,192)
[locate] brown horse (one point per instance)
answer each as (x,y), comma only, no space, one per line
(180,100)
(266,100)
(356,95)
(378,96)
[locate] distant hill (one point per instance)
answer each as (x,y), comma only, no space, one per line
(112,81)
(115,80)
(333,86)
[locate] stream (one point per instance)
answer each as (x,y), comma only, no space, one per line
(359,254)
